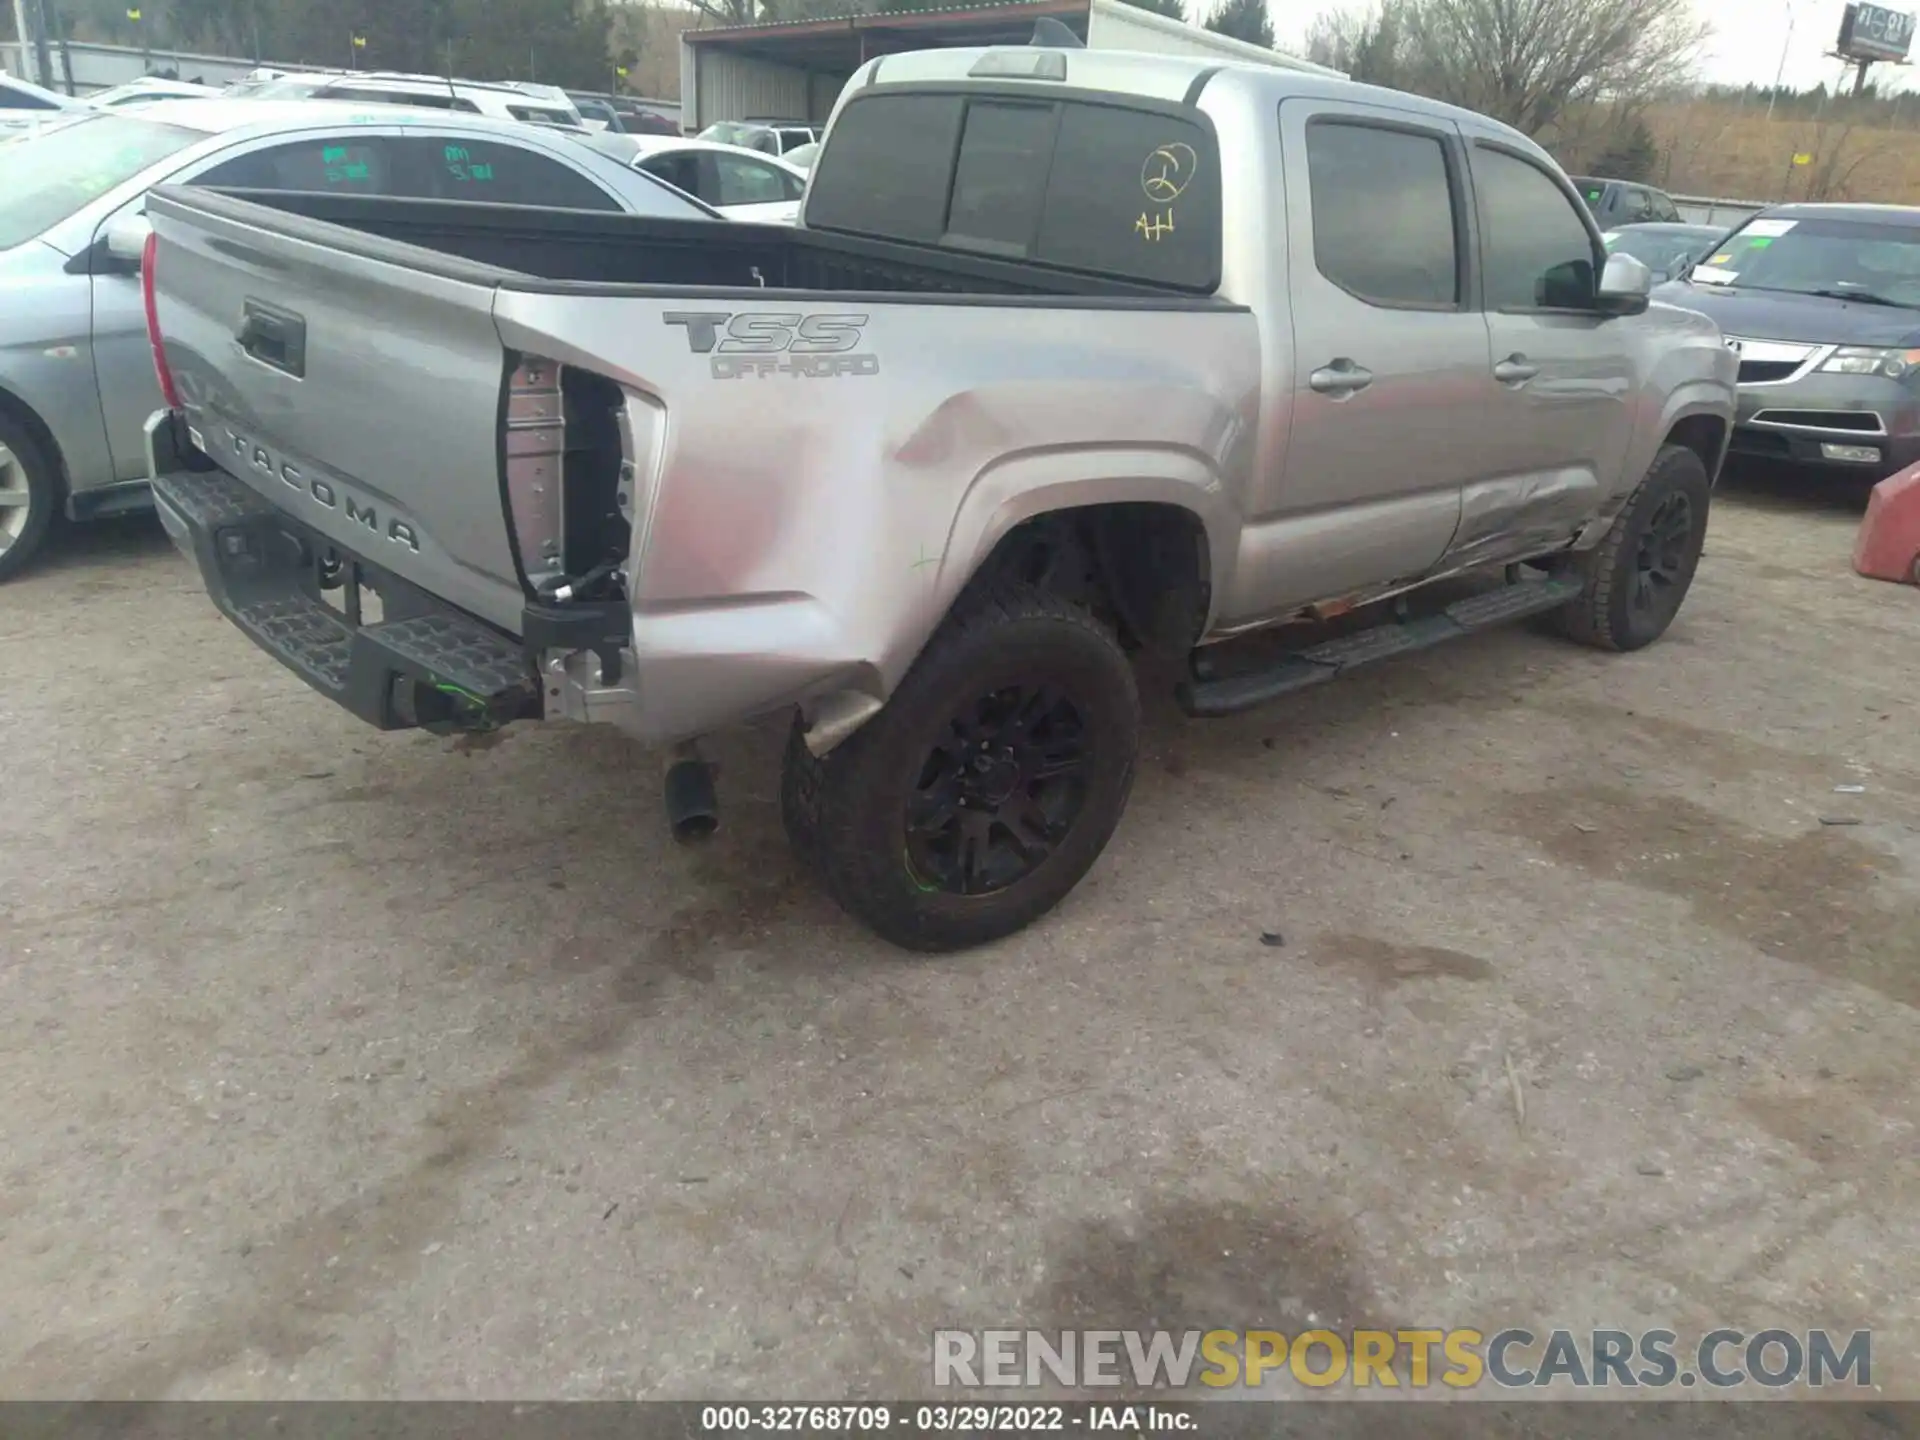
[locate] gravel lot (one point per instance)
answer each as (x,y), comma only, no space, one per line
(339,1064)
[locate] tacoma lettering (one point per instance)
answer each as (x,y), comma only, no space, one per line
(322,492)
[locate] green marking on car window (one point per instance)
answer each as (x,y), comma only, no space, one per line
(1762,243)
(482,172)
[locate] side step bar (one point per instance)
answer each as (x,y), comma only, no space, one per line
(1209,696)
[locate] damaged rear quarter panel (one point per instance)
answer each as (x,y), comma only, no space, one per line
(833,469)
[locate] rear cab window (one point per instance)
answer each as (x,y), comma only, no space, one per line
(1116,187)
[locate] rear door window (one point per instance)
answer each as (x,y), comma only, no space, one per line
(11,99)
(1121,191)
(1383,214)
(355,164)
(738,180)
(1664,209)
(494,172)
(680,169)
(539,115)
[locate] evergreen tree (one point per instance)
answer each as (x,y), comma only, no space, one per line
(1243,20)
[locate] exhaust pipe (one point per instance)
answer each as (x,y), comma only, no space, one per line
(693,809)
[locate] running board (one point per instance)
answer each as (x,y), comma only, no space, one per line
(1208,696)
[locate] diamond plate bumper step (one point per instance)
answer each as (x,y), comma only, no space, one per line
(427,665)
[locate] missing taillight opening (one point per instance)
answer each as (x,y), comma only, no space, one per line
(148,270)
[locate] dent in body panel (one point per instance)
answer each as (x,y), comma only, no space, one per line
(1518,516)
(813,541)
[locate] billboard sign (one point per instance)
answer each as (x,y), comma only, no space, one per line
(1873,32)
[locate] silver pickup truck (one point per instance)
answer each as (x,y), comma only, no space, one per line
(1078,359)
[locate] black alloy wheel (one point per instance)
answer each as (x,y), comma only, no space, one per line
(999,791)
(1662,566)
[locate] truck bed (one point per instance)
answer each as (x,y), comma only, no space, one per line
(580,248)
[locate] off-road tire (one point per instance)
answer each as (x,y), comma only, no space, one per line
(847,813)
(1606,614)
(43,489)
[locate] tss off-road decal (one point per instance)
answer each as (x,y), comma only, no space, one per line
(763,342)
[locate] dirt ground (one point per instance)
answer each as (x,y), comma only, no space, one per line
(348,1065)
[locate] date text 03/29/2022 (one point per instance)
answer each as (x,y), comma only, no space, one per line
(936,1419)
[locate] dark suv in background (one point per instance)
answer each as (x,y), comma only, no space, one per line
(1822,305)
(1621,202)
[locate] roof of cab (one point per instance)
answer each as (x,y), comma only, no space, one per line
(1176,78)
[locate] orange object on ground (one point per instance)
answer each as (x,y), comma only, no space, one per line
(1888,546)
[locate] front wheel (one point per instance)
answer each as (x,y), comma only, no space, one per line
(987,787)
(1637,577)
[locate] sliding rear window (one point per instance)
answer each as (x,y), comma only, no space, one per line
(1113,189)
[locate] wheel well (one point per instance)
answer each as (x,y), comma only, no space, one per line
(1705,435)
(22,414)
(1143,566)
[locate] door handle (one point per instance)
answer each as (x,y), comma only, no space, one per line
(275,337)
(1515,370)
(1340,379)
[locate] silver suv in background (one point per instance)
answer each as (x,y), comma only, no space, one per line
(1076,356)
(532,104)
(770,137)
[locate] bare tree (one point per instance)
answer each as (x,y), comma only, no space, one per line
(1530,63)
(1365,45)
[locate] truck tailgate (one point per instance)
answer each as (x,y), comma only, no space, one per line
(290,339)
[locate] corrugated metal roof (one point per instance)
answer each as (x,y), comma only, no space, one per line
(885,19)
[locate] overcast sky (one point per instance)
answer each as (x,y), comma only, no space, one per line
(1748,38)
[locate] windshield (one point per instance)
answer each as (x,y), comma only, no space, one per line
(48,175)
(1841,258)
(1662,252)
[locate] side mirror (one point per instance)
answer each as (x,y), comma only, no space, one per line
(1624,286)
(126,241)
